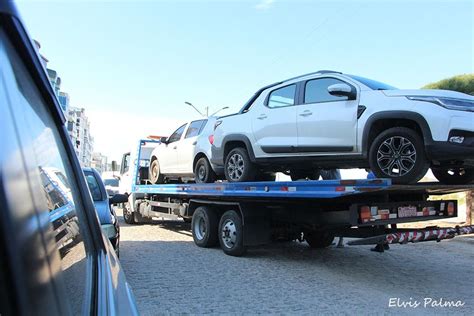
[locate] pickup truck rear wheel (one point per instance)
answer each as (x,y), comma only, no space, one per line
(398,153)
(156,176)
(319,239)
(231,234)
(454,175)
(238,167)
(204,227)
(203,172)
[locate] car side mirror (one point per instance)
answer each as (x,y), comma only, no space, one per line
(118,198)
(164,140)
(114,165)
(342,90)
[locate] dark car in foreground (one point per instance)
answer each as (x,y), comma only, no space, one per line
(55,258)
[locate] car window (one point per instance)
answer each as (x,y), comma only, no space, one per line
(111,182)
(125,162)
(45,161)
(177,134)
(282,97)
(93,185)
(195,128)
(317,91)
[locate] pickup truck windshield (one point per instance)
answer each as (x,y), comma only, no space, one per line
(372,84)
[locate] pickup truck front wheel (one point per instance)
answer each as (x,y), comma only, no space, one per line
(454,175)
(238,167)
(399,154)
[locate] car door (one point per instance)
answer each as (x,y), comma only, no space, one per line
(55,261)
(168,153)
(186,146)
(274,122)
(325,123)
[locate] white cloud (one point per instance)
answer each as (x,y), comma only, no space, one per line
(265,4)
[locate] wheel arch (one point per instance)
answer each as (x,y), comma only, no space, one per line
(381,121)
(236,140)
(199,156)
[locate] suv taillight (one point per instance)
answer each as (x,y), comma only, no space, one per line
(211,139)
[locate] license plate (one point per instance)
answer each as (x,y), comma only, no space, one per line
(407,211)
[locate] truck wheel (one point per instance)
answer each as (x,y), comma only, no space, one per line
(454,175)
(128,214)
(304,175)
(238,167)
(203,172)
(231,234)
(156,176)
(319,239)
(399,154)
(204,227)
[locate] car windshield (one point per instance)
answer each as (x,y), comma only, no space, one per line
(372,84)
(111,182)
(93,185)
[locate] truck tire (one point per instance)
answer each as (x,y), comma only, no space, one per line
(203,172)
(238,167)
(297,174)
(398,153)
(319,239)
(454,175)
(128,215)
(231,234)
(204,227)
(156,176)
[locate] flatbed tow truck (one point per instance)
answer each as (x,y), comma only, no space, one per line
(247,214)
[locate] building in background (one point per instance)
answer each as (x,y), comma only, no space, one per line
(77,123)
(99,162)
(78,127)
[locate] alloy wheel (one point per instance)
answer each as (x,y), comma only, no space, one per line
(396,156)
(235,166)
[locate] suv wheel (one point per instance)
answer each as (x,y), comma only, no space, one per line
(399,154)
(238,167)
(203,172)
(155,175)
(454,175)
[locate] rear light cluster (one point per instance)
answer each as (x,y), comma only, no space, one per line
(211,139)
(376,213)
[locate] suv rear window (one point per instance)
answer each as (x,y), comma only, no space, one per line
(195,128)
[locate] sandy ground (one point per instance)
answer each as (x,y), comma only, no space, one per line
(170,275)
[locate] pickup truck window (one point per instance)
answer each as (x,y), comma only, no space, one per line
(316,91)
(282,97)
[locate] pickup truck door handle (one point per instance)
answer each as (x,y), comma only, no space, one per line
(195,143)
(306,113)
(262,117)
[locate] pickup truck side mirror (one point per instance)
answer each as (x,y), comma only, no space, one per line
(342,90)
(118,198)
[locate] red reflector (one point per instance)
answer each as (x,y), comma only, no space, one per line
(284,189)
(365,213)
(340,189)
(450,209)
(211,139)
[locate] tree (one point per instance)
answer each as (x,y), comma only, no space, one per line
(461,83)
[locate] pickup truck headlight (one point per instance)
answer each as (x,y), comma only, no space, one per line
(448,103)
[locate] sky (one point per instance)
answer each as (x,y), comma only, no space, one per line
(133,64)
